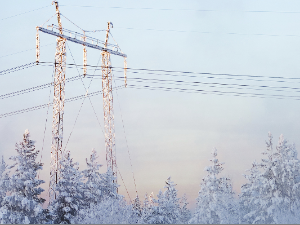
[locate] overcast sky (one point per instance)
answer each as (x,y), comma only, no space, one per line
(169,133)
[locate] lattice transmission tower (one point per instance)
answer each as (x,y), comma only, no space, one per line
(59,91)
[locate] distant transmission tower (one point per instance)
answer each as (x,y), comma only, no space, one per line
(59,92)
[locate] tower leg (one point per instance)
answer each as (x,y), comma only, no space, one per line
(58,113)
(108,113)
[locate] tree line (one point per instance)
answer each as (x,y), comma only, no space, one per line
(270,195)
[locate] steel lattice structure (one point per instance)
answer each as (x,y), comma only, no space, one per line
(108,108)
(59,93)
(58,108)
(108,112)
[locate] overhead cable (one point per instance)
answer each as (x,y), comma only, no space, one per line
(183,72)
(181,9)
(222,85)
(24,51)
(24,13)
(201,91)
(27,90)
(47,104)
(14,69)
(209,32)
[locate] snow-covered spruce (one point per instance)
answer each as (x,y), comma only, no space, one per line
(23,204)
(4,180)
(111,208)
(136,210)
(108,211)
(146,209)
(69,191)
(92,187)
(215,202)
(272,193)
(166,209)
(185,214)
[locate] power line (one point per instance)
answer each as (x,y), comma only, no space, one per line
(183,72)
(279,79)
(181,9)
(46,124)
(175,82)
(27,90)
(208,32)
(24,13)
(188,90)
(17,68)
(86,90)
(222,85)
(126,140)
(165,81)
(24,51)
(46,105)
(168,72)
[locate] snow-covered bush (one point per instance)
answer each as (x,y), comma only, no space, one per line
(215,203)
(272,193)
(23,204)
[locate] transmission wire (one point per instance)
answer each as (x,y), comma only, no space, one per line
(81,103)
(46,124)
(126,139)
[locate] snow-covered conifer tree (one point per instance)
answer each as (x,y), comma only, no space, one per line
(146,210)
(4,180)
(23,204)
(69,191)
(93,192)
(108,186)
(167,209)
(136,210)
(272,193)
(215,202)
(185,214)
(108,211)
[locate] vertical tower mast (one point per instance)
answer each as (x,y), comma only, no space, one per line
(58,107)
(108,108)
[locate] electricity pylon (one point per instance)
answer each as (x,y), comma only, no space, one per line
(58,107)
(108,108)
(59,92)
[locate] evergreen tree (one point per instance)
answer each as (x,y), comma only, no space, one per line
(167,209)
(215,202)
(108,211)
(108,186)
(136,210)
(69,191)
(93,185)
(185,214)
(272,191)
(23,204)
(4,180)
(146,209)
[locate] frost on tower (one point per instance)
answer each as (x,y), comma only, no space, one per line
(59,92)
(58,107)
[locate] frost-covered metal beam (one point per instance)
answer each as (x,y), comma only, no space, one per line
(81,42)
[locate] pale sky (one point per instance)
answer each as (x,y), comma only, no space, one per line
(168,133)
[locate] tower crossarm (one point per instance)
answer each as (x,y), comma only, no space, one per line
(74,39)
